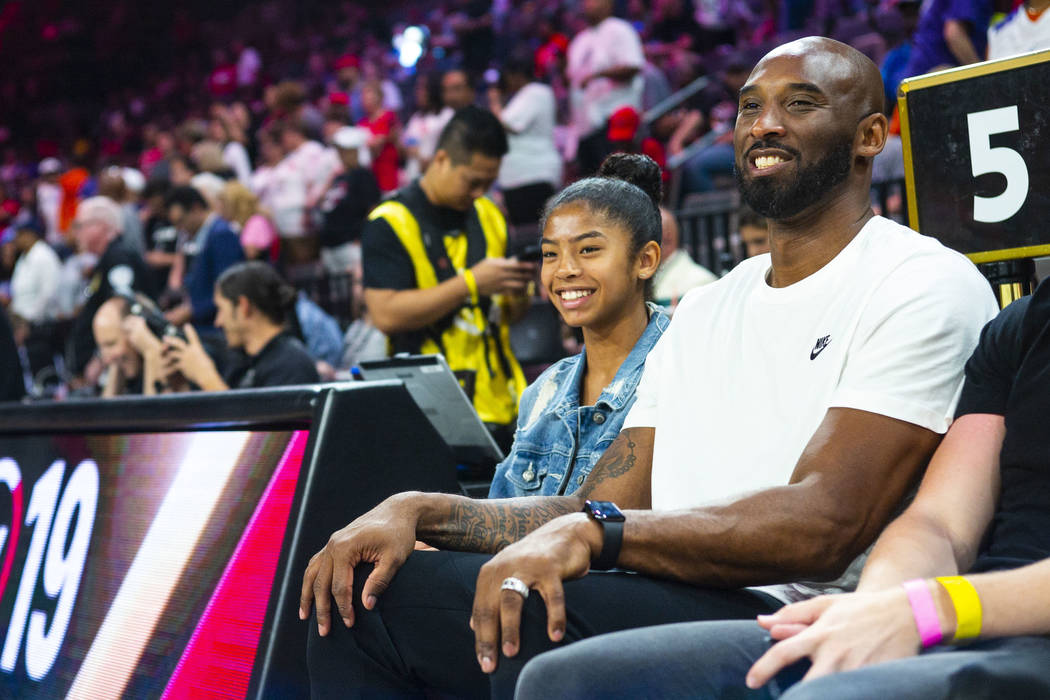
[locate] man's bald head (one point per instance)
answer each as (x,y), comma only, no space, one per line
(855,76)
(113,345)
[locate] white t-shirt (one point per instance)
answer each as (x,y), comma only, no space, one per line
(612,43)
(745,373)
(533,157)
(1018,34)
(296,180)
(34,284)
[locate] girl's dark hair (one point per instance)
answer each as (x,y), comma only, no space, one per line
(263,288)
(627,191)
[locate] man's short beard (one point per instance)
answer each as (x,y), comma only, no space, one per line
(813,183)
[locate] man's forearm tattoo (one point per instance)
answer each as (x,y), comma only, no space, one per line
(480,526)
(618,459)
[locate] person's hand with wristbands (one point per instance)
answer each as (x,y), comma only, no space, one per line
(838,633)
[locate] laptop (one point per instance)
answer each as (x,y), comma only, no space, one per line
(436,390)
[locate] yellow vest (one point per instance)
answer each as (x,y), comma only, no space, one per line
(471,343)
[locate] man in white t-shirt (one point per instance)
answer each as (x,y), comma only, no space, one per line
(604,64)
(1025,29)
(779,423)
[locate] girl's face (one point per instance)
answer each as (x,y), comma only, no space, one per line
(589,270)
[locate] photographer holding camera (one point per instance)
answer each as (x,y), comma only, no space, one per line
(255,310)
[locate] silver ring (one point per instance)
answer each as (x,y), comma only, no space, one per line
(515,584)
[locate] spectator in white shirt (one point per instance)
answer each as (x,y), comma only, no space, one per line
(299,181)
(1025,29)
(604,70)
(34,282)
(531,171)
(678,272)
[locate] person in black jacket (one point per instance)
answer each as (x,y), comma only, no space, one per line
(254,310)
(120,268)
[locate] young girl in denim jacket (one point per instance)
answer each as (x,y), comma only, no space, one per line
(601,248)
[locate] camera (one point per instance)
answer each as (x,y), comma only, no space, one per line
(155,321)
(532,253)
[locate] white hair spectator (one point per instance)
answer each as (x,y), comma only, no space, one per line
(102,209)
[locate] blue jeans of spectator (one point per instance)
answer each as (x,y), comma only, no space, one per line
(699,172)
(710,660)
(417,643)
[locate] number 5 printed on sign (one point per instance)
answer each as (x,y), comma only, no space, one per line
(985,159)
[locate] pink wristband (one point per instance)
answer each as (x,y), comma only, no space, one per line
(924,611)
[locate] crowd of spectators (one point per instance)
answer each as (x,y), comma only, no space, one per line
(268,130)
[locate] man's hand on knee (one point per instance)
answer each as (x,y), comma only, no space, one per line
(560,550)
(385,536)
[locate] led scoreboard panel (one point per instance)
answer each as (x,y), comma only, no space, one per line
(154,548)
(184,531)
(975,142)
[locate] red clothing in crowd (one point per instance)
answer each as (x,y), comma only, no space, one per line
(223,80)
(384,165)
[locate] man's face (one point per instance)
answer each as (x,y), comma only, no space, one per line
(228,318)
(92,234)
(455,90)
(459,185)
(795,133)
(114,348)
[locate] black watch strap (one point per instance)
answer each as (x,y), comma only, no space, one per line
(612,539)
(611,520)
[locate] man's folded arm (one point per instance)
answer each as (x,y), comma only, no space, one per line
(846,486)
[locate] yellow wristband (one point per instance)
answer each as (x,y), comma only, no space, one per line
(472,285)
(967,606)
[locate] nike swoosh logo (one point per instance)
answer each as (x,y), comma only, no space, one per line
(813,354)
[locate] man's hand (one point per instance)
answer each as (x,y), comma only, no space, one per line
(385,536)
(838,633)
(503,275)
(189,357)
(560,550)
(140,336)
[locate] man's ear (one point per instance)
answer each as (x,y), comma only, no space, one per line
(871,135)
(243,306)
(440,159)
(648,260)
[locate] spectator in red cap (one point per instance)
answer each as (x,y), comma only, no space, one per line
(623,135)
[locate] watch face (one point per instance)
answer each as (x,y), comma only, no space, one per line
(603,510)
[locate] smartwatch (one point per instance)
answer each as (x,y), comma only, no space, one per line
(611,519)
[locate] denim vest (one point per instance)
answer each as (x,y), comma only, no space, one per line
(547,459)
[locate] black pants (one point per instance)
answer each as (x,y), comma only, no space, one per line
(525,203)
(417,642)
